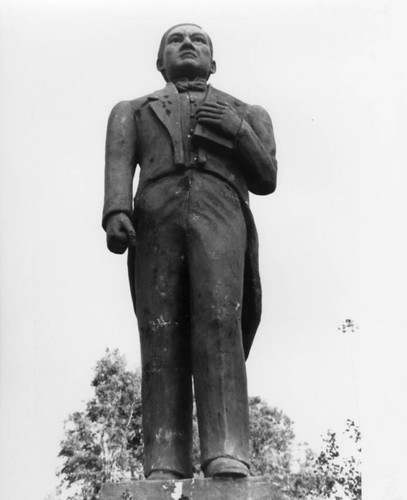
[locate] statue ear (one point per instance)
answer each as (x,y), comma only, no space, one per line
(213,67)
(160,66)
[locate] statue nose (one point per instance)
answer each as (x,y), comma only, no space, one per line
(187,43)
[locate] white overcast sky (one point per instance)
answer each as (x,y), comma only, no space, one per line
(332,74)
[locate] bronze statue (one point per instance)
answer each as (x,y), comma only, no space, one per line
(192,253)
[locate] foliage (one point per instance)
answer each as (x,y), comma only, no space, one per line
(332,474)
(271,437)
(104,442)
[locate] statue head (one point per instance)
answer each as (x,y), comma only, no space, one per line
(185,51)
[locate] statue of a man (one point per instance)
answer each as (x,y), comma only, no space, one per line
(192,253)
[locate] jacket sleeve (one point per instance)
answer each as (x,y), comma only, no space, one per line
(120,161)
(256,147)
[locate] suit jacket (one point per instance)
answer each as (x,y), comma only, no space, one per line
(147,132)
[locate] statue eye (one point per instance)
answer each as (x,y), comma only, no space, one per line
(175,39)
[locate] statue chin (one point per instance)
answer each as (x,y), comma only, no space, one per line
(189,71)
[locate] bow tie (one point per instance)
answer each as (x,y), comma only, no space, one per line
(198,84)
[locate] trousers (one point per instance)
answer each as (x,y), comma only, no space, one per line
(189,270)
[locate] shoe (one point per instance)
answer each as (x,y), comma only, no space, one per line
(224,467)
(163,475)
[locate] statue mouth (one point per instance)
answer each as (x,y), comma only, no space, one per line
(188,53)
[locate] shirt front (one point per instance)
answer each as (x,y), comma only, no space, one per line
(190,102)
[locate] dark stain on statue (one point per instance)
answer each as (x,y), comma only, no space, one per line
(155,365)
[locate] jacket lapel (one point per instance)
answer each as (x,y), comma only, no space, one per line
(166,105)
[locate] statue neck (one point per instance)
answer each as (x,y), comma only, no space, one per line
(185,84)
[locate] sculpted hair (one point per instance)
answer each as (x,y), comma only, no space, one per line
(164,39)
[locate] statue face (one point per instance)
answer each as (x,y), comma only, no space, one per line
(186,54)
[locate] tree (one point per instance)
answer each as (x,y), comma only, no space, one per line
(271,437)
(104,442)
(332,473)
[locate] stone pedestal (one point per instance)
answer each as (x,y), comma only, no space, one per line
(256,488)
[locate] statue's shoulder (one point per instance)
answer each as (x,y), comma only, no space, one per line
(123,110)
(139,102)
(250,110)
(130,106)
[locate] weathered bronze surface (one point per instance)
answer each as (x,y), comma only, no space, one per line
(192,252)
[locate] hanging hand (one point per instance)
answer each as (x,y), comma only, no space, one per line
(120,233)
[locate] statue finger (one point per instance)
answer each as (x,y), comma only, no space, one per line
(128,227)
(212,106)
(209,114)
(210,121)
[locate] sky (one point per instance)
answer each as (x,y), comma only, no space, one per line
(332,75)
